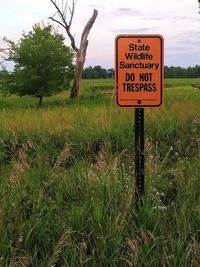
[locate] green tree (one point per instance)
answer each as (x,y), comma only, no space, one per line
(111,73)
(5,79)
(43,63)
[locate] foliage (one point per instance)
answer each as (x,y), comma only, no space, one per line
(180,72)
(97,72)
(43,63)
(5,79)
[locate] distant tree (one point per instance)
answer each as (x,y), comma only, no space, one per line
(60,17)
(179,72)
(43,63)
(5,79)
(111,73)
(197,67)
(100,72)
(87,73)
(97,72)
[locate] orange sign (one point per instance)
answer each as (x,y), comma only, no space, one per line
(139,70)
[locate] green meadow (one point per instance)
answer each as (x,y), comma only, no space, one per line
(67,180)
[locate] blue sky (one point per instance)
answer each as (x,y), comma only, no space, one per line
(177,20)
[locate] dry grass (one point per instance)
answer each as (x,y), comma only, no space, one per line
(196,255)
(100,118)
(20,162)
(21,261)
(62,157)
(62,242)
(37,120)
(121,218)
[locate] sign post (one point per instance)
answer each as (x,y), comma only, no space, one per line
(139,157)
(139,75)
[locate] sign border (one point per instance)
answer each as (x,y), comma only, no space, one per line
(161,62)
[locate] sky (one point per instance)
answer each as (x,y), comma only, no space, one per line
(178,21)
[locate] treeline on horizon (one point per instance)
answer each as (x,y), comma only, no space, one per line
(97,72)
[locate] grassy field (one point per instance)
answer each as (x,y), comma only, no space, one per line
(67,181)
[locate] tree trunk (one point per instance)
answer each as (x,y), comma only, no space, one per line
(80,60)
(40,101)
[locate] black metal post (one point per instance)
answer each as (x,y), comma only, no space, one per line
(139,157)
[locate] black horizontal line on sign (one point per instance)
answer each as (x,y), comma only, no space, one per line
(121,99)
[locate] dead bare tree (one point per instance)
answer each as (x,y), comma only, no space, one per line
(60,17)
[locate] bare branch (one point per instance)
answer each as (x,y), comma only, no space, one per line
(72,13)
(64,23)
(4,50)
(60,13)
(2,65)
(55,14)
(62,5)
(89,25)
(57,21)
(65,10)
(81,51)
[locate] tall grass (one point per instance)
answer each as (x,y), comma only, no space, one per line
(67,182)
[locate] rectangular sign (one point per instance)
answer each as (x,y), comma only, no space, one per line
(139,70)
